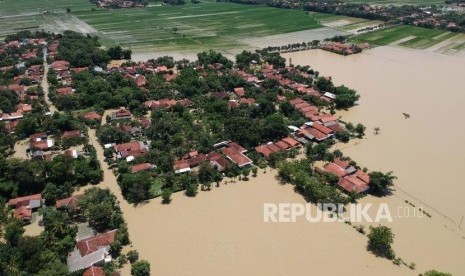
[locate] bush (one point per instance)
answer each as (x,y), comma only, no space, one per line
(140,268)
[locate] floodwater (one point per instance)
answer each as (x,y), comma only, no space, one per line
(222,232)
(426,151)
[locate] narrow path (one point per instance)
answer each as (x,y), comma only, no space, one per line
(109,179)
(45,85)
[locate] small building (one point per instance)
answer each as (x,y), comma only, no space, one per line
(69,202)
(121,114)
(142,167)
(24,206)
(92,251)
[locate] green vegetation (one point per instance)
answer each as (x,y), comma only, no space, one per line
(379,241)
(415,37)
(435,273)
(140,268)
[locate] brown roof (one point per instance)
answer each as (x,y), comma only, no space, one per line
(237,147)
(92,244)
(19,200)
(220,160)
(264,150)
(180,164)
(362,176)
(282,145)
(134,145)
(70,202)
(322,128)
(341,163)
(141,167)
(353,184)
(335,169)
(291,142)
(71,134)
(236,156)
(239,91)
(93,115)
(273,148)
(22,213)
(94,271)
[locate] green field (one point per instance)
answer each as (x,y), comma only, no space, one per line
(408,36)
(162,28)
(398,2)
(209,24)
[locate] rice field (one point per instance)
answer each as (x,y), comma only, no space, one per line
(205,25)
(398,2)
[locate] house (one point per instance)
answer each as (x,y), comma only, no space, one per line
(181,166)
(353,184)
(69,202)
(239,91)
(40,141)
(142,167)
(218,161)
(122,113)
(92,251)
(72,153)
(25,205)
(235,153)
(94,271)
(131,150)
(71,134)
(141,80)
(64,91)
(335,169)
(59,65)
(92,116)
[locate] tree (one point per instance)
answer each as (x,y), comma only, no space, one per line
(68,10)
(380,182)
(343,136)
(376,130)
(379,241)
(254,171)
(360,130)
(166,195)
(191,189)
(132,256)
(246,173)
(140,268)
(436,273)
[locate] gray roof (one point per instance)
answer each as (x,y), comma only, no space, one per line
(76,262)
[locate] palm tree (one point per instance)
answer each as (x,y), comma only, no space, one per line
(377,129)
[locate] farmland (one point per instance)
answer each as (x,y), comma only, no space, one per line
(398,2)
(160,28)
(415,37)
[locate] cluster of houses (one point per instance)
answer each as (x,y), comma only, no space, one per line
(344,48)
(23,52)
(138,71)
(119,3)
(225,154)
(284,144)
(91,252)
(351,179)
(41,144)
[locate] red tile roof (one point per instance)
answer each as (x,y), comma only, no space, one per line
(264,150)
(70,202)
(236,156)
(93,115)
(335,169)
(94,271)
(322,128)
(282,145)
(362,176)
(19,200)
(291,142)
(71,134)
(353,184)
(92,244)
(141,167)
(220,160)
(341,163)
(239,91)
(131,146)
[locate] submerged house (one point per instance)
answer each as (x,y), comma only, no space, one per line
(24,206)
(92,251)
